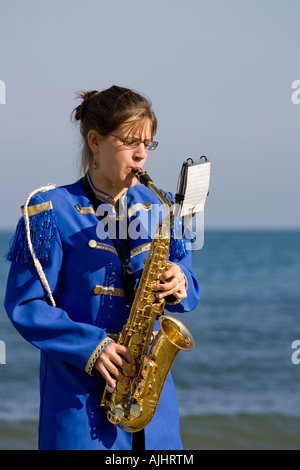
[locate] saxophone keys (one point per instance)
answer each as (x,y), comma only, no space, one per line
(135,410)
(116,415)
(118,410)
(109,388)
(136,338)
(135,350)
(123,387)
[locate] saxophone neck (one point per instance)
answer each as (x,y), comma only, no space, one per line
(143,177)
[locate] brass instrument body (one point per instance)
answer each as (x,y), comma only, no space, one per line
(131,405)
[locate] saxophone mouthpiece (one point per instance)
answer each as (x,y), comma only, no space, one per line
(142,176)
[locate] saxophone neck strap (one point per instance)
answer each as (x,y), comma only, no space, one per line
(123,251)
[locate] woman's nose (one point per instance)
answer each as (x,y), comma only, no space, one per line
(141,151)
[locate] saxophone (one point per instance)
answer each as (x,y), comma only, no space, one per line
(132,405)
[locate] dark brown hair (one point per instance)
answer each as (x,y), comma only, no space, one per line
(107,110)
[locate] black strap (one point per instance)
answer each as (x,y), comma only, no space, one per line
(123,253)
(127,270)
(138,441)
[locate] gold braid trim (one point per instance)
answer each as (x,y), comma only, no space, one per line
(35,210)
(99,349)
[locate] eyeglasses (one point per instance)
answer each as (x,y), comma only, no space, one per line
(132,142)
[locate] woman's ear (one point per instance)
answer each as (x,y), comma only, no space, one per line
(93,139)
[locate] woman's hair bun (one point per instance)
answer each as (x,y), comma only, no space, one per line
(86,96)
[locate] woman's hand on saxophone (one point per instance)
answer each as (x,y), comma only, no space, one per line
(114,360)
(172,282)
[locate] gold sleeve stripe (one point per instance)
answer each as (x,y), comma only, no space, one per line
(131,211)
(85,210)
(102,246)
(99,349)
(139,249)
(38,208)
(139,207)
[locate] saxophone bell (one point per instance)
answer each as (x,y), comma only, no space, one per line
(176,332)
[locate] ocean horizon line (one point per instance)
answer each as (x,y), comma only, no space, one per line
(11,230)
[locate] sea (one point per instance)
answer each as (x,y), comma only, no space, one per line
(239,389)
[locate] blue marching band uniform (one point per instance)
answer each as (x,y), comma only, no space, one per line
(70,308)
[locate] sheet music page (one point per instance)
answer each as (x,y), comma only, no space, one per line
(198,177)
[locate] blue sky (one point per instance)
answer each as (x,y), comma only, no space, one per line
(219,74)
